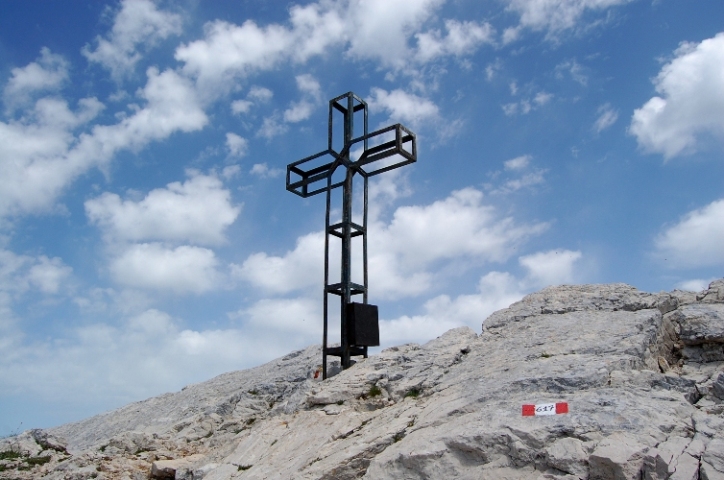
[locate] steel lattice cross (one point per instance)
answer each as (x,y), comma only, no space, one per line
(314,174)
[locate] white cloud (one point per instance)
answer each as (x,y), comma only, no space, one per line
(607,116)
(236,145)
(49,72)
(241,106)
(263,171)
(138,24)
(403,107)
(696,240)
(371,29)
(281,318)
(380,29)
(34,155)
(695,285)
(402,252)
(458,226)
(198,210)
(47,157)
(690,103)
(311,96)
(518,163)
(256,95)
(554,267)
(146,354)
(297,269)
(495,290)
(184,269)
(527,105)
(20,274)
(48,274)
(553,16)
(574,69)
(271,127)
(462,38)
(229,51)
(260,94)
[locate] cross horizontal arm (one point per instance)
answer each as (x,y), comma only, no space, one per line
(305,182)
(404,144)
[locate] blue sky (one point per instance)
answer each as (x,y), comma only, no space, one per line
(147,240)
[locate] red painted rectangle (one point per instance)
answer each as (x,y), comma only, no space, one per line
(561,408)
(528,410)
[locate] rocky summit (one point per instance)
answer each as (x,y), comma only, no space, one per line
(573,382)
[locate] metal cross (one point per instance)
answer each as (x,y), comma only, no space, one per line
(314,174)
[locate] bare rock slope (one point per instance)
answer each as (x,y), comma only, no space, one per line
(642,374)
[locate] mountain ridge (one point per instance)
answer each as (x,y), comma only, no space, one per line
(642,375)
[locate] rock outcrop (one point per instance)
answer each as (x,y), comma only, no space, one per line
(642,376)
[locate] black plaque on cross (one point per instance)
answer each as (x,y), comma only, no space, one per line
(392,147)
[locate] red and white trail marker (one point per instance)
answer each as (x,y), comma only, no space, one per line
(545,409)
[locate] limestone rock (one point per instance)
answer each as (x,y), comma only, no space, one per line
(642,375)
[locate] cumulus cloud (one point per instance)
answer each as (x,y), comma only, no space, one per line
(312,95)
(198,211)
(690,101)
(461,38)
(403,251)
(47,156)
(495,290)
(145,354)
(695,241)
(236,145)
(138,24)
(49,72)
(403,107)
(371,29)
(256,95)
(550,268)
(296,269)
(262,170)
(184,269)
(20,274)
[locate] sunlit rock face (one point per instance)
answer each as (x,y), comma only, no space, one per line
(641,375)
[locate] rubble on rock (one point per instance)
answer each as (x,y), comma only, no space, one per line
(642,374)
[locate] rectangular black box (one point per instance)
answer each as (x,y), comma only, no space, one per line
(363,326)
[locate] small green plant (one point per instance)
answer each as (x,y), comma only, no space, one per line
(414,392)
(103,448)
(340,402)
(244,467)
(375,391)
(37,460)
(398,436)
(546,355)
(9,455)
(251,420)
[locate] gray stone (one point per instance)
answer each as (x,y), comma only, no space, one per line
(714,454)
(451,408)
(617,457)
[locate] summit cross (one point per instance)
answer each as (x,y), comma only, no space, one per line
(394,147)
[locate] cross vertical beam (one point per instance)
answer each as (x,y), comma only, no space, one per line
(395,146)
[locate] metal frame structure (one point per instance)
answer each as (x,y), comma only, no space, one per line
(314,174)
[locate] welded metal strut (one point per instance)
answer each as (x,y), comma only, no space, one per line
(314,174)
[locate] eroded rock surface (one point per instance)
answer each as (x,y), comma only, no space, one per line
(643,376)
